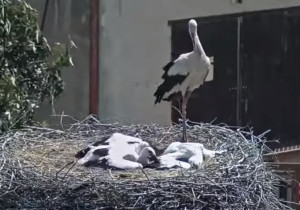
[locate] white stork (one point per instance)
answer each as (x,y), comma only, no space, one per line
(171,161)
(184,74)
(186,155)
(121,151)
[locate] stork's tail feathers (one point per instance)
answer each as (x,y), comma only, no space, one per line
(159,94)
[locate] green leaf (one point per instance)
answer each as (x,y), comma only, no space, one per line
(29,68)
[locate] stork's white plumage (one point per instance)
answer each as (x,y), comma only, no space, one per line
(119,137)
(121,151)
(169,161)
(184,74)
(186,155)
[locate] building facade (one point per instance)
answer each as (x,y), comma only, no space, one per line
(135,42)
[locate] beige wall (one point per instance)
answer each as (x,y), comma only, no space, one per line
(63,18)
(135,44)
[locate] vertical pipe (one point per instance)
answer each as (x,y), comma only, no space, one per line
(67,16)
(56,12)
(239,73)
(44,15)
(94,57)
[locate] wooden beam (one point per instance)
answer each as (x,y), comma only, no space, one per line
(94,57)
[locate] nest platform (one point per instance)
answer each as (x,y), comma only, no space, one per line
(32,157)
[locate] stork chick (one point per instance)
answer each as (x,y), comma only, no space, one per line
(120,151)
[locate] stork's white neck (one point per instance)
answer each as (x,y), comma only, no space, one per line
(197,45)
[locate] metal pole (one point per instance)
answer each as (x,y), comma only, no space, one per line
(239,73)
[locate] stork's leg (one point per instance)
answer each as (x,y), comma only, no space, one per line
(183,108)
(184,120)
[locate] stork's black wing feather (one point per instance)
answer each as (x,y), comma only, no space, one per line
(166,69)
(83,152)
(168,83)
(101,152)
(168,66)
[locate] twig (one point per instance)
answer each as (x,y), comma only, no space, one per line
(145,174)
(69,163)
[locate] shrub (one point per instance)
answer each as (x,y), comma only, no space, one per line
(30,70)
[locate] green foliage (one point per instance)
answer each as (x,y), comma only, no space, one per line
(30,71)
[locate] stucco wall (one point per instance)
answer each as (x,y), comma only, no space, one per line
(135,44)
(68,17)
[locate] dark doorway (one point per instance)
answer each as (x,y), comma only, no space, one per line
(271,68)
(268,65)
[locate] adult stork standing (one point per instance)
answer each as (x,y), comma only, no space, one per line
(184,74)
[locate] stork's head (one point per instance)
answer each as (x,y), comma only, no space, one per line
(193,30)
(147,156)
(192,26)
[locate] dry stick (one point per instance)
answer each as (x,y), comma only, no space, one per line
(69,170)
(145,174)
(174,107)
(61,120)
(110,174)
(264,133)
(69,163)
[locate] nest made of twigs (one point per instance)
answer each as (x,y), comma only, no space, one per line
(31,157)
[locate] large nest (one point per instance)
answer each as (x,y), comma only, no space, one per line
(31,157)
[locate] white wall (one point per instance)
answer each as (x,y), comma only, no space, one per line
(66,18)
(135,44)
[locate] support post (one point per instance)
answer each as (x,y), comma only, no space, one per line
(94,57)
